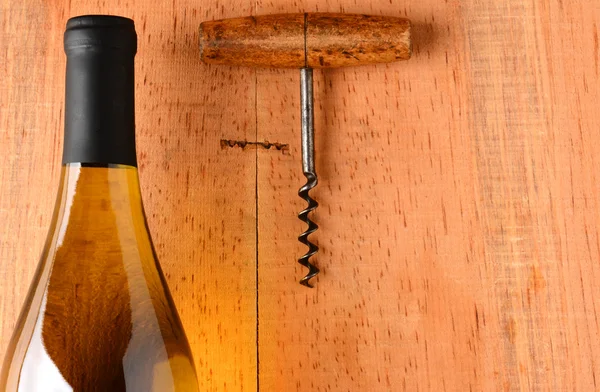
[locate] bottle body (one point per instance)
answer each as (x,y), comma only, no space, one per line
(99,316)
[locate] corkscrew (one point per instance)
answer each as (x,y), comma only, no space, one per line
(306,41)
(308,168)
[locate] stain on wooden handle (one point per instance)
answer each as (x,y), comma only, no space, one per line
(315,40)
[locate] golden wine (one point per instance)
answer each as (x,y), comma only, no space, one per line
(99,316)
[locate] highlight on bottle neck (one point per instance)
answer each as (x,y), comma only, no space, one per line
(99,105)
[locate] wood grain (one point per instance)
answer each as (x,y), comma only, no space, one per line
(300,40)
(343,40)
(249,41)
(459,195)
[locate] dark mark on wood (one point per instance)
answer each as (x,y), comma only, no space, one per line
(244,143)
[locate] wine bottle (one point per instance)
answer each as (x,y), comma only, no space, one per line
(99,315)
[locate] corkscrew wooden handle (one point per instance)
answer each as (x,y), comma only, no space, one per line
(309,40)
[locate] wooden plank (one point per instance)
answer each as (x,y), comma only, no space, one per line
(458,191)
(205,239)
(459,240)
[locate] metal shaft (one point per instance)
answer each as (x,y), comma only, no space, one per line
(308,168)
(308,119)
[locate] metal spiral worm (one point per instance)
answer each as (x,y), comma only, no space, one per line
(308,168)
(312,227)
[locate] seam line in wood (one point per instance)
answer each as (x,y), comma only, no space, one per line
(256,277)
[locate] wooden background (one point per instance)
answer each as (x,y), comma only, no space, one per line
(459,191)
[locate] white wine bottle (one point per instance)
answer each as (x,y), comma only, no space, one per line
(99,316)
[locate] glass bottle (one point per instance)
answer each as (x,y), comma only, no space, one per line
(99,315)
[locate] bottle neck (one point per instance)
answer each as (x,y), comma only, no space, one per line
(99,112)
(97,198)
